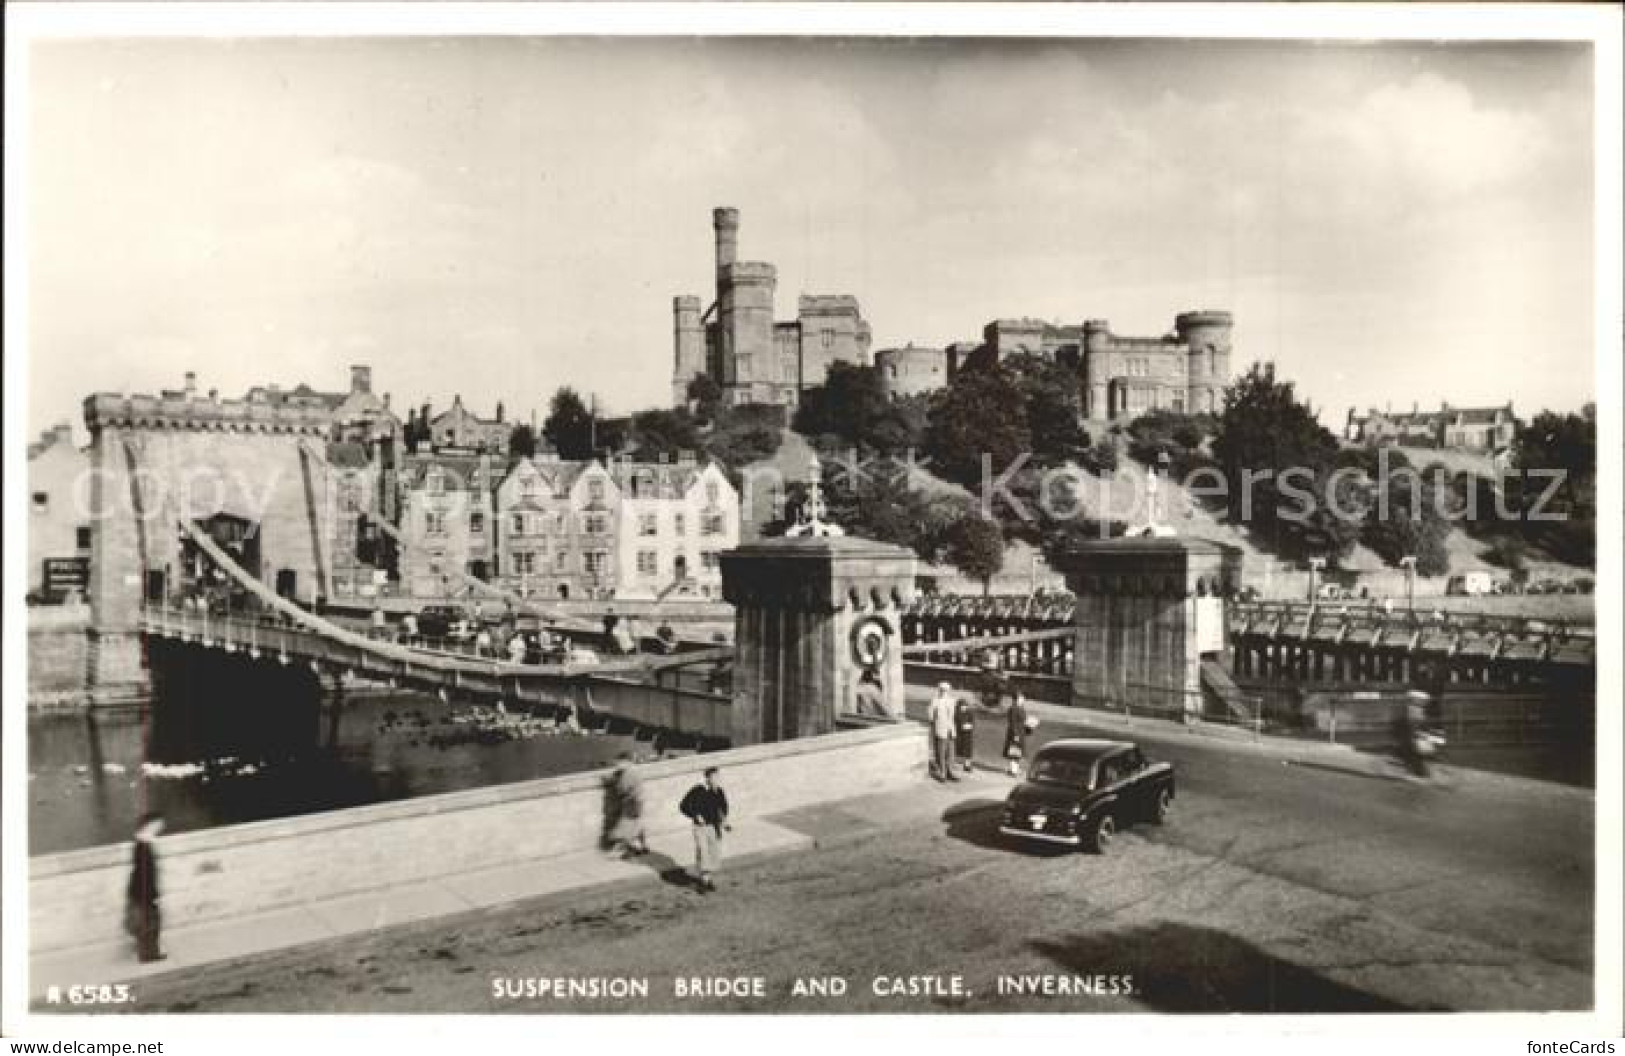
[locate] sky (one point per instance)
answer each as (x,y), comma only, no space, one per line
(496,217)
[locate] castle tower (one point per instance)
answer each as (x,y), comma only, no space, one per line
(1097,336)
(688,341)
(1206,335)
(725,221)
(744,311)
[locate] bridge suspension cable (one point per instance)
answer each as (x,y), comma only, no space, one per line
(390,650)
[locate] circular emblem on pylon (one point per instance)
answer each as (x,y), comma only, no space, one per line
(870,641)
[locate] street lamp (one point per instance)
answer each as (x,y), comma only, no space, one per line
(1408,563)
(1315,565)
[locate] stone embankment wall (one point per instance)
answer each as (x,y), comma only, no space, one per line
(77,898)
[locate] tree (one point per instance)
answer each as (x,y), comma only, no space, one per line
(844,406)
(1054,406)
(661,432)
(522,442)
(746,434)
(982,413)
(1411,518)
(569,426)
(1566,443)
(1276,459)
(706,396)
(975,546)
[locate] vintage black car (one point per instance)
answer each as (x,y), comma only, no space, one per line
(1080,792)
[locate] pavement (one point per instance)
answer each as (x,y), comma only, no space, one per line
(1221,765)
(189,946)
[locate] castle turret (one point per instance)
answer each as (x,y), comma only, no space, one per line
(1096,373)
(725,221)
(688,341)
(1206,335)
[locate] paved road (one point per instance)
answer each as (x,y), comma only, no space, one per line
(1275,887)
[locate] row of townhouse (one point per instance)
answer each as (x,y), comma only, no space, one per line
(544,527)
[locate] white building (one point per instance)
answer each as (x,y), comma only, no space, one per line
(674,519)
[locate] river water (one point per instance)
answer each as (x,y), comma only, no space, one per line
(88,779)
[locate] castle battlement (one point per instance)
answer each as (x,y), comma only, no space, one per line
(826,303)
(181,411)
(749,271)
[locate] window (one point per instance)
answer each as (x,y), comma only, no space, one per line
(595,524)
(648,563)
(560,525)
(596,562)
(81,537)
(524,564)
(42,502)
(561,561)
(679,524)
(519,524)
(711,493)
(712,524)
(648,524)
(434,522)
(476,522)
(708,560)
(829,338)
(595,491)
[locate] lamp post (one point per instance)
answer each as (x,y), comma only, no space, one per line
(1315,565)
(1408,563)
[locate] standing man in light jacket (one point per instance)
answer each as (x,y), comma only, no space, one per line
(941,721)
(706,805)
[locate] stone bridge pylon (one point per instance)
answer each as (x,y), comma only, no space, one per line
(159,460)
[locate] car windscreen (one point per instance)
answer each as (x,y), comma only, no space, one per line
(1071,773)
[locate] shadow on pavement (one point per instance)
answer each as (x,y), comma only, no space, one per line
(976,822)
(1180,968)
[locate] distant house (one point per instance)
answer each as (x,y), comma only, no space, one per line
(1486,429)
(674,519)
(59,521)
(535,543)
(459,429)
(445,523)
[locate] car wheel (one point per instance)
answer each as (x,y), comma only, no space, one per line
(1100,837)
(1164,803)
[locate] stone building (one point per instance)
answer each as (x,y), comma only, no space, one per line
(59,522)
(913,371)
(673,520)
(459,429)
(445,525)
(533,525)
(1119,377)
(737,342)
(1486,429)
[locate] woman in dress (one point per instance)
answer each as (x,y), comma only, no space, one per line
(964,732)
(1016,729)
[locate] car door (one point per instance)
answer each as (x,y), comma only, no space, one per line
(1136,791)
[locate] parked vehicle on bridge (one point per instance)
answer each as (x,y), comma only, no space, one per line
(580,655)
(1080,792)
(1472,583)
(443,621)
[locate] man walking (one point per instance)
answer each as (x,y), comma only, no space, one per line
(142,917)
(627,838)
(941,721)
(706,805)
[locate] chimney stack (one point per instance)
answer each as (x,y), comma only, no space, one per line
(191,384)
(361,378)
